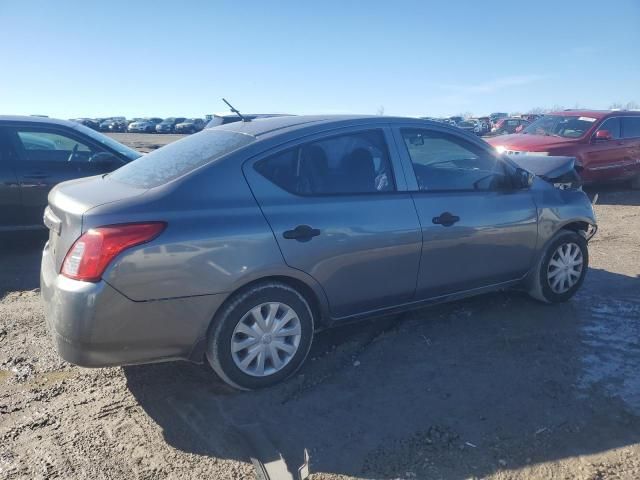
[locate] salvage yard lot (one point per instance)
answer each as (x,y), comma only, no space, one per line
(495,387)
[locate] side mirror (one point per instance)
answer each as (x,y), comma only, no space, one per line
(603,135)
(523,178)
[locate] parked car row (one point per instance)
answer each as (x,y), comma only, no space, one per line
(495,124)
(144,125)
(479,126)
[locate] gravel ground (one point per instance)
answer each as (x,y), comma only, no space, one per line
(496,387)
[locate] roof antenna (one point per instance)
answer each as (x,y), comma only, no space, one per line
(234,110)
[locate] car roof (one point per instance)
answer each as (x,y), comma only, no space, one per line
(263,127)
(29,119)
(598,114)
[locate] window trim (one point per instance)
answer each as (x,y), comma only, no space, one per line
(404,151)
(328,135)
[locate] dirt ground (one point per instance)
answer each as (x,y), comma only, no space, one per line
(496,387)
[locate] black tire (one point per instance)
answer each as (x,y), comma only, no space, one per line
(221,331)
(540,287)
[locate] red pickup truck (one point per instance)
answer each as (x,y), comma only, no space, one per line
(606,144)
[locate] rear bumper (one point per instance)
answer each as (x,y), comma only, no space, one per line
(94,325)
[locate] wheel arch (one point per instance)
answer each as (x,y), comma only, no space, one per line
(312,292)
(305,285)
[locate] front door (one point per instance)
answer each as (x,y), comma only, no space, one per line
(477,230)
(604,160)
(337,211)
(11,215)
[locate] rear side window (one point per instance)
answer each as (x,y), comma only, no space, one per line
(178,158)
(341,165)
(612,125)
(631,127)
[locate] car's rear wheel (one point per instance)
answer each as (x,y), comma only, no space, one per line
(261,336)
(561,269)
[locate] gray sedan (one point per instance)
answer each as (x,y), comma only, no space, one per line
(235,245)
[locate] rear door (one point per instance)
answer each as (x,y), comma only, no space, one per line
(631,139)
(477,231)
(338,206)
(11,215)
(48,155)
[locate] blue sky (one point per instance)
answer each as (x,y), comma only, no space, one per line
(137,58)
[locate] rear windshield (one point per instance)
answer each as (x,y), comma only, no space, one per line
(176,159)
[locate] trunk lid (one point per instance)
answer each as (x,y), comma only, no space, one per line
(69,201)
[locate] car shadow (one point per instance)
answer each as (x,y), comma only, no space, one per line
(461,390)
(20,261)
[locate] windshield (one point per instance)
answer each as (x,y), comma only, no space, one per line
(109,142)
(567,126)
(176,159)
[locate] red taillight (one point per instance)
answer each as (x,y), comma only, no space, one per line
(90,255)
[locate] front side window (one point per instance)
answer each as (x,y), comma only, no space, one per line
(346,164)
(45,145)
(612,125)
(631,127)
(445,162)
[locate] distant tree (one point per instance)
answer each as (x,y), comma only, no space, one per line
(616,106)
(632,106)
(537,110)
(380,110)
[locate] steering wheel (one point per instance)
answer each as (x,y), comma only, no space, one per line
(476,184)
(73,153)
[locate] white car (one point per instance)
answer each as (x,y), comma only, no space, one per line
(148,125)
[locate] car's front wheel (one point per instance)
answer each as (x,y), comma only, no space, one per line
(261,336)
(561,269)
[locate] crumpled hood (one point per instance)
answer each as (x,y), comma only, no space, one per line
(548,168)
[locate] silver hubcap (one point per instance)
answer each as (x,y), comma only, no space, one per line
(565,267)
(265,339)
